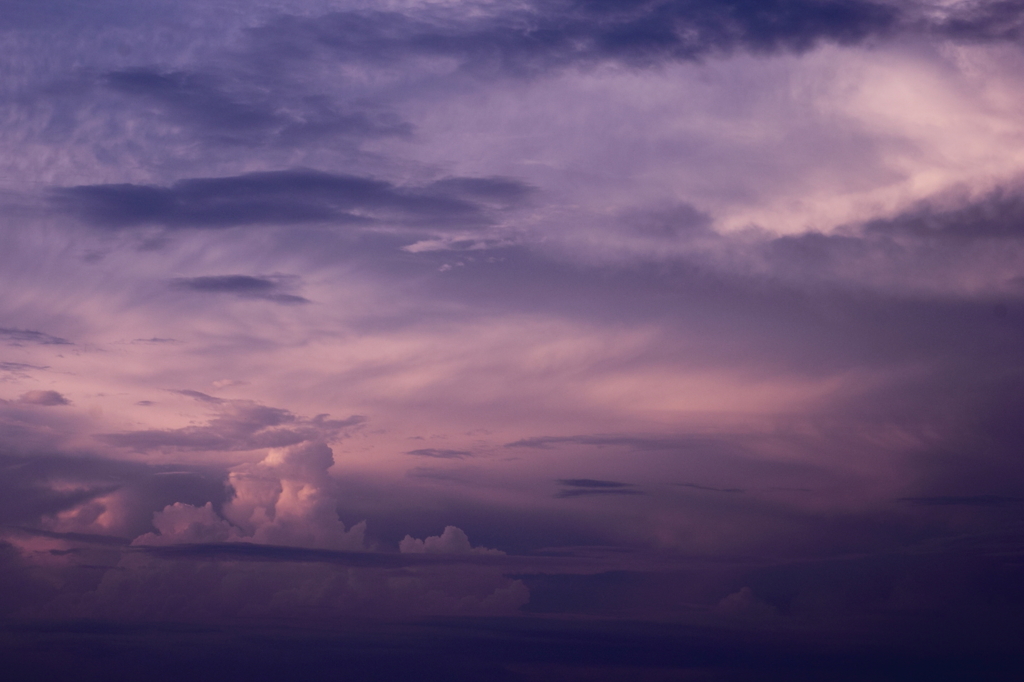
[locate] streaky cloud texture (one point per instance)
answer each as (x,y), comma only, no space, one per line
(475,340)
(292,196)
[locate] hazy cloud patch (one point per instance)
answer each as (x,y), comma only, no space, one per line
(440,453)
(996,215)
(44,398)
(238,425)
(280,197)
(19,369)
(200,396)
(582,487)
(243,286)
(19,336)
(591,483)
(585,492)
(962,500)
(634,442)
(534,38)
(709,488)
(235,109)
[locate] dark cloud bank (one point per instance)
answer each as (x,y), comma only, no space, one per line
(237,111)
(534,38)
(538,37)
(288,197)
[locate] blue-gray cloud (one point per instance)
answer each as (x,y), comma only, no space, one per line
(542,36)
(19,336)
(44,398)
(696,486)
(286,197)
(237,425)
(440,453)
(244,286)
(581,487)
(243,111)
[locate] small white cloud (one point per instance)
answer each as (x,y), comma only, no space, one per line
(452,541)
(185,523)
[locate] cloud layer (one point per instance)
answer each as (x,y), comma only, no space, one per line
(699,313)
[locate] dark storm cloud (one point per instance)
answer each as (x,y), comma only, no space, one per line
(546,35)
(18,336)
(243,112)
(440,453)
(284,197)
(244,286)
(238,425)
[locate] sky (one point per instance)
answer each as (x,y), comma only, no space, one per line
(473,340)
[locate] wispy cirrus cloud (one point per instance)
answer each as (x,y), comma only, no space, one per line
(19,336)
(237,425)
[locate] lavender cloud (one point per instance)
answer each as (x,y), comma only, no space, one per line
(238,425)
(452,541)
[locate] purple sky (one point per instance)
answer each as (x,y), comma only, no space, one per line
(703,313)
